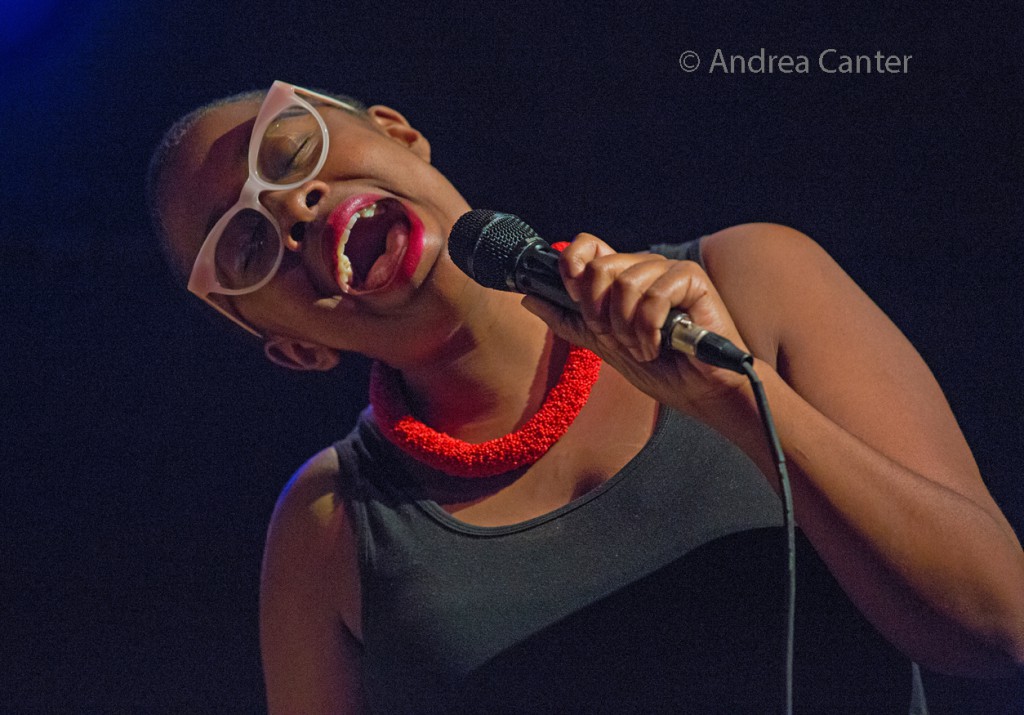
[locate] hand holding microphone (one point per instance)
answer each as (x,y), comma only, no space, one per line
(502,252)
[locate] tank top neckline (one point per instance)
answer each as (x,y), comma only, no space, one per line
(403,485)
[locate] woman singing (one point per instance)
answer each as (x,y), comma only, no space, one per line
(541,510)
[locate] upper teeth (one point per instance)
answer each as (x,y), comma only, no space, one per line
(366,212)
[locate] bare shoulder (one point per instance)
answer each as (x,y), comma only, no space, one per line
(759,252)
(758,231)
(307,519)
(309,502)
(792,299)
(310,537)
(310,596)
(765,271)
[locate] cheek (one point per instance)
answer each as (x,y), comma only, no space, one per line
(181,237)
(283,304)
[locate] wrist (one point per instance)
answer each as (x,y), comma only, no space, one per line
(734,413)
(733,403)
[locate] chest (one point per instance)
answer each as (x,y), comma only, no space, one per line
(447,600)
(609,432)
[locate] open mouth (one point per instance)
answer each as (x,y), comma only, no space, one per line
(368,249)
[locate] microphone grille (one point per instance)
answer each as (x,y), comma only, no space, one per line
(485,245)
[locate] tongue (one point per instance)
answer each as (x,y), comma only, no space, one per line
(365,245)
(375,245)
(384,267)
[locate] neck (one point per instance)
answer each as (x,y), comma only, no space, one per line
(489,375)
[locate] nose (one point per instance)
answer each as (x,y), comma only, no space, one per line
(294,209)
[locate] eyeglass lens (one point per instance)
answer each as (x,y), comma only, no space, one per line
(288,153)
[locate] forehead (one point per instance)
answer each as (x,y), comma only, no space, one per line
(205,172)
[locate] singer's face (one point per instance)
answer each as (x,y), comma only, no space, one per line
(377,200)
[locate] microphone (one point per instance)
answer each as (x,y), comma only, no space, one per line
(501,251)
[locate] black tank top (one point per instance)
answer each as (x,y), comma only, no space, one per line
(660,591)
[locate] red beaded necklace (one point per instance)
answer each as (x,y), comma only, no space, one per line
(524,446)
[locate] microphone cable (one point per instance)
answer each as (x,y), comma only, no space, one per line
(788,523)
(681,334)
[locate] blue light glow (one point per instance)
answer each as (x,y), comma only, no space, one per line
(20,20)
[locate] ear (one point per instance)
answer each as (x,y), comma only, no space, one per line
(296,354)
(392,123)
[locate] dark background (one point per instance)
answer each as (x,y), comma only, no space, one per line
(143,446)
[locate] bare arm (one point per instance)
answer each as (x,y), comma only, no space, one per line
(884,484)
(309,589)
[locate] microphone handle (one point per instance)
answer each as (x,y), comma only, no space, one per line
(536,273)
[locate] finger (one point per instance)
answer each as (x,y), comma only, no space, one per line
(593,286)
(626,294)
(584,248)
(684,287)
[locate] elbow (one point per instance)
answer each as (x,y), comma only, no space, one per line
(1015,647)
(1004,643)
(979,661)
(997,627)
(988,644)
(1005,659)
(1011,638)
(999,655)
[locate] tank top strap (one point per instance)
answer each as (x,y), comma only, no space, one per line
(688,251)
